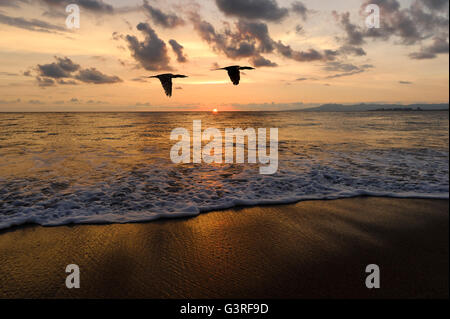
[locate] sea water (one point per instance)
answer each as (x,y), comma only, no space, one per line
(60,168)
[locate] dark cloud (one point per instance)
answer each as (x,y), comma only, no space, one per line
(253,9)
(63,72)
(409,25)
(405,82)
(97,6)
(354,34)
(352,50)
(436,4)
(94,76)
(439,46)
(30,24)
(62,68)
(150,53)
(233,45)
(260,61)
(45,82)
(250,31)
(251,40)
(300,56)
(305,79)
(163,19)
(299,29)
(178,49)
(299,8)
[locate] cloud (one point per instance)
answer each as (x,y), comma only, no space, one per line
(92,75)
(45,82)
(67,82)
(8,74)
(252,9)
(63,72)
(178,49)
(352,50)
(228,43)
(150,53)
(11,3)
(251,40)
(300,56)
(339,66)
(10,101)
(260,61)
(37,102)
(405,82)
(163,19)
(354,35)
(31,25)
(299,8)
(435,4)
(408,25)
(439,46)
(97,6)
(345,69)
(60,69)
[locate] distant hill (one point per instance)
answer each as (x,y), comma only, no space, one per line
(377,107)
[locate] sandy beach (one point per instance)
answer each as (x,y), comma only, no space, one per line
(314,249)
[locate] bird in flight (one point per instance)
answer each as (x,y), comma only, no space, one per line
(234,72)
(166,81)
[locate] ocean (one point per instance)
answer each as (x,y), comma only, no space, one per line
(61,168)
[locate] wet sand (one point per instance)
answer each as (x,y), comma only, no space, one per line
(315,249)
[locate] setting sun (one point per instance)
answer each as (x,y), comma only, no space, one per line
(215,111)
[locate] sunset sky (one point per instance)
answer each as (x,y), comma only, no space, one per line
(305,53)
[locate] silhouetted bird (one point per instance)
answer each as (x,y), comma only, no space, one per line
(166,81)
(234,72)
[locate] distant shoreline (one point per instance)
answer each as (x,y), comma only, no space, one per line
(237,111)
(362,107)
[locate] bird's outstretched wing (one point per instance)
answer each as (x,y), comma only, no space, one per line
(246,68)
(167,85)
(234,75)
(179,76)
